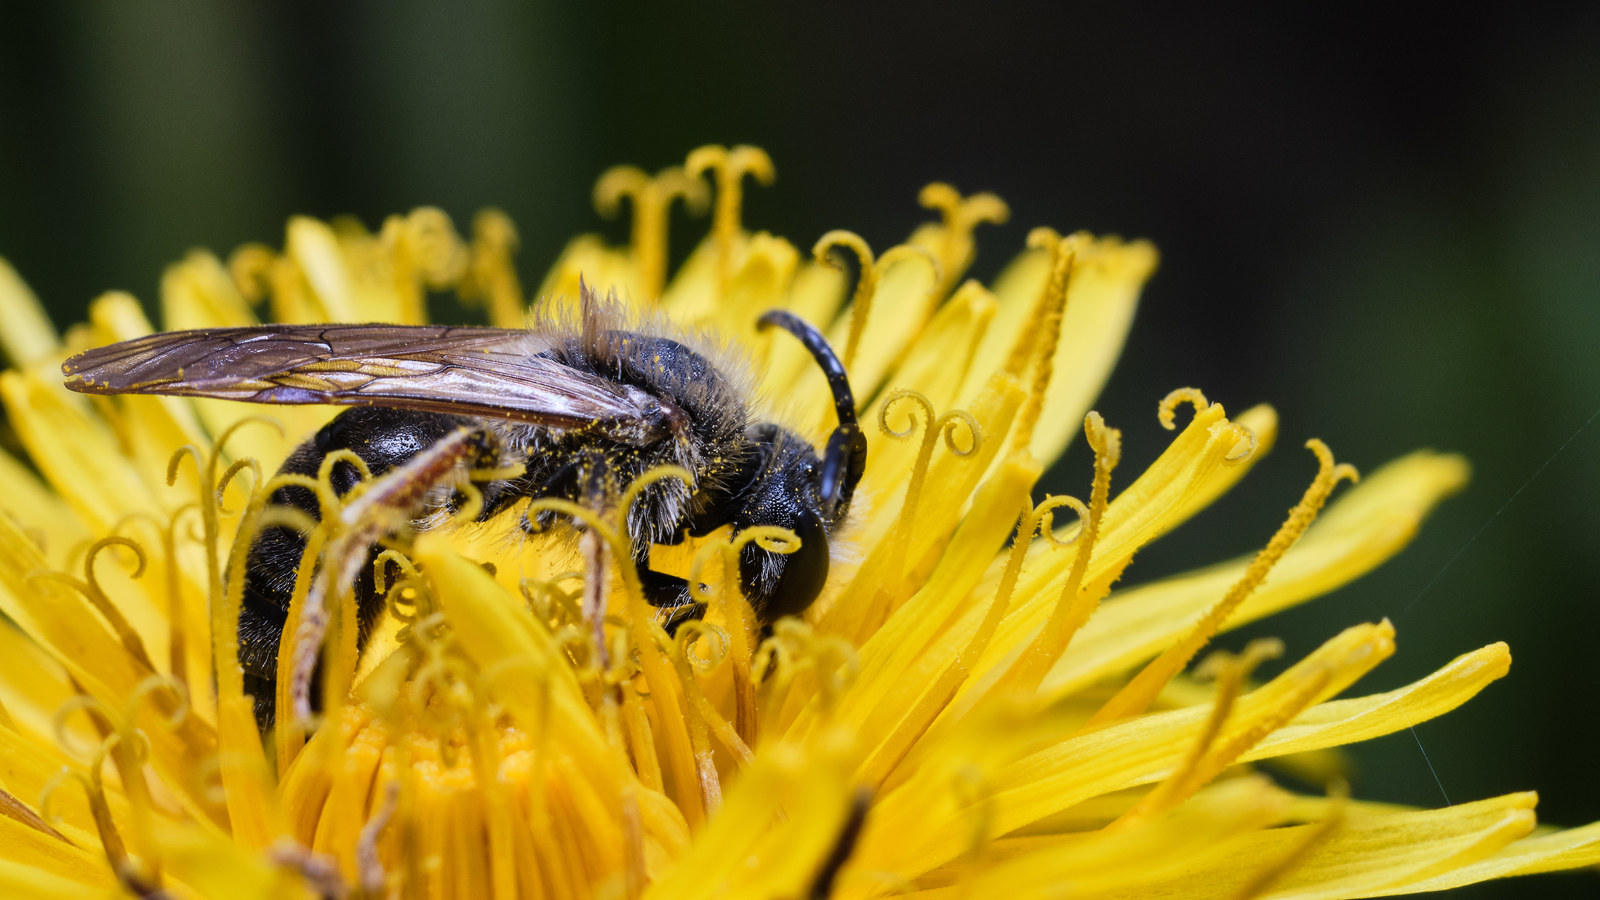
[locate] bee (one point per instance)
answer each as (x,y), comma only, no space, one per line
(583,406)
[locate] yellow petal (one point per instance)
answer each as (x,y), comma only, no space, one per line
(79,456)
(1340,722)
(1362,528)
(692,292)
(33,686)
(51,856)
(943,356)
(1138,751)
(38,511)
(26,335)
(902,305)
(773,831)
(199,293)
(1101,298)
(587,258)
(1570,849)
(1085,863)
(22,880)
(315,249)
(1363,856)
(213,866)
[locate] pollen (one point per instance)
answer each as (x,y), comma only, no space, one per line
(988,697)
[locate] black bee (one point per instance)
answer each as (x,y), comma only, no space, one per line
(585,407)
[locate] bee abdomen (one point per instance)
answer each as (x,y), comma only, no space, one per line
(383,438)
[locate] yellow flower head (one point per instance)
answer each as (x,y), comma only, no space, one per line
(974,706)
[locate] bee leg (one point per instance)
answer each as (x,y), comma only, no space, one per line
(677,616)
(671,595)
(263,690)
(564,481)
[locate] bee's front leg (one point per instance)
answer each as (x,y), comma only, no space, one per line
(670,594)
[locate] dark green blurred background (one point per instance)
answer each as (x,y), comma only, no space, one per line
(1386,224)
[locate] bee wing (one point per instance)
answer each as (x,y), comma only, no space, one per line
(490,372)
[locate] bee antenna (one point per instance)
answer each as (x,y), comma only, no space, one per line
(845,458)
(844,402)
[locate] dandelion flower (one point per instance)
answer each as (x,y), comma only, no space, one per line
(976,705)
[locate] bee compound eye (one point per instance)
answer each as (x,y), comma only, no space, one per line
(801,574)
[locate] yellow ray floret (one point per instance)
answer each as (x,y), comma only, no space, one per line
(982,701)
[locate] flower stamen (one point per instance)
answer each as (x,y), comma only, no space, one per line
(641,741)
(896,545)
(866,281)
(424,251)
(593,606)
(89,588)
(105,826)
(261,273)
(373,508)
(728,604)
(128,748)
(960,217)
(318,871)
(652,201)
(1167,409)
(795,654)
(1037,345)
(698,723)
(233,470)
(491,276)
(224,605)
(1074,607)
(1230,672)
(728,168)
(551,603)
(646,637)
(690,661)
(869,273)
(946,425)
(1138,693)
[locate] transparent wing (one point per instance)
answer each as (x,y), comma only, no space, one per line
(490,372)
